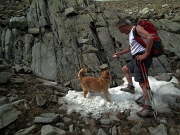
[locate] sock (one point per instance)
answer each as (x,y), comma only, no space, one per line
(131,84)
(148,103)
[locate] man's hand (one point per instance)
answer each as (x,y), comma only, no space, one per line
(115,56)
(141,57)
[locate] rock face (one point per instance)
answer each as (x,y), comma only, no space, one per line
(54,39)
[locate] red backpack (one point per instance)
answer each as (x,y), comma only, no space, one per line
(157,47)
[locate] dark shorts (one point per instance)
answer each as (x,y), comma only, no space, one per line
(134,68)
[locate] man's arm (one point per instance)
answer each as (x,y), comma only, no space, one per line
(149,41)
(122,52)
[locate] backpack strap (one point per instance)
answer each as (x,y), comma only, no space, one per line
(135,32)
(138,38)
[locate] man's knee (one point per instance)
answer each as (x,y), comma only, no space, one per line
(142,85)
(125,69)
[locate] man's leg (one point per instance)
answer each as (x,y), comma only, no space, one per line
(139,77)
(145,93)
(128,75)
(147,108)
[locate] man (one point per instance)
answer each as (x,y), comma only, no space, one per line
(139,54)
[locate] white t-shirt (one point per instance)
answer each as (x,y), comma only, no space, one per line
(134,45)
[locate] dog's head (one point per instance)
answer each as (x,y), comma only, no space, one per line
(105,74)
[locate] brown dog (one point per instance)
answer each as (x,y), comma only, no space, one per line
(100,84)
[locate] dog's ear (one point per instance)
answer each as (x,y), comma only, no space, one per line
(85,69)
(105,74)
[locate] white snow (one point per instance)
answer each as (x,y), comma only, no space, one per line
(95,104)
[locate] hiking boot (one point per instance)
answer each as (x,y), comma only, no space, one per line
(129,89)
(146,111)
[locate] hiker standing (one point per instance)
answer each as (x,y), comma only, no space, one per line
(139,53)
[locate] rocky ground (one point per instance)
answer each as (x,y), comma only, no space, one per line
(31,87)
(139,4)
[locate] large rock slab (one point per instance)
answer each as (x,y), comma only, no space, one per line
(8,114)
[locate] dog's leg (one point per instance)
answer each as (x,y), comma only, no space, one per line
(85,92)
(106,93)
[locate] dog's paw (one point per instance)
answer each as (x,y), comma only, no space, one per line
(109,100)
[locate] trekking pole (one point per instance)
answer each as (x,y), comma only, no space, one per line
(148,88)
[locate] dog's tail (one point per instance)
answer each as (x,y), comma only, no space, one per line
(80,74)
